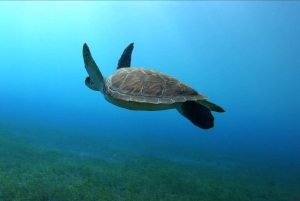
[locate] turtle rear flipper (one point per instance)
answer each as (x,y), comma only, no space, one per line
(198,114)
(211,106)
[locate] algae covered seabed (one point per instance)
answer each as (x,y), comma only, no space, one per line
(51,165)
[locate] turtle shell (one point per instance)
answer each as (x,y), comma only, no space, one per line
(148,86)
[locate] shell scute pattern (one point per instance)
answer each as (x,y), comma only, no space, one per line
(143,85)
(117,82)
(153,88)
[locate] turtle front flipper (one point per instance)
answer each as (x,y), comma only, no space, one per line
(125,60)
(198,114)
(95,76)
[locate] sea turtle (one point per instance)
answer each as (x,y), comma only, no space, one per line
(145,89)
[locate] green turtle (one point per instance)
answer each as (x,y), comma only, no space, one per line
(150,90)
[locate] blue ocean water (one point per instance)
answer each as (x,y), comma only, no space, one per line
(243,55)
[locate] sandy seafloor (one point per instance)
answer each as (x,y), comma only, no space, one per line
(40,164)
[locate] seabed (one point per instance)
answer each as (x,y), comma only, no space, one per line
(57,166)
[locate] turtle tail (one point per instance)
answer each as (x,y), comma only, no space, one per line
(198,114)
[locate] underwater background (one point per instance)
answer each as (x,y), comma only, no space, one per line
(59,140)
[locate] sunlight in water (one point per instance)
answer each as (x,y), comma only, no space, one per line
(57,133)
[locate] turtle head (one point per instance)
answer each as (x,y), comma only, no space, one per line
(90,84)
